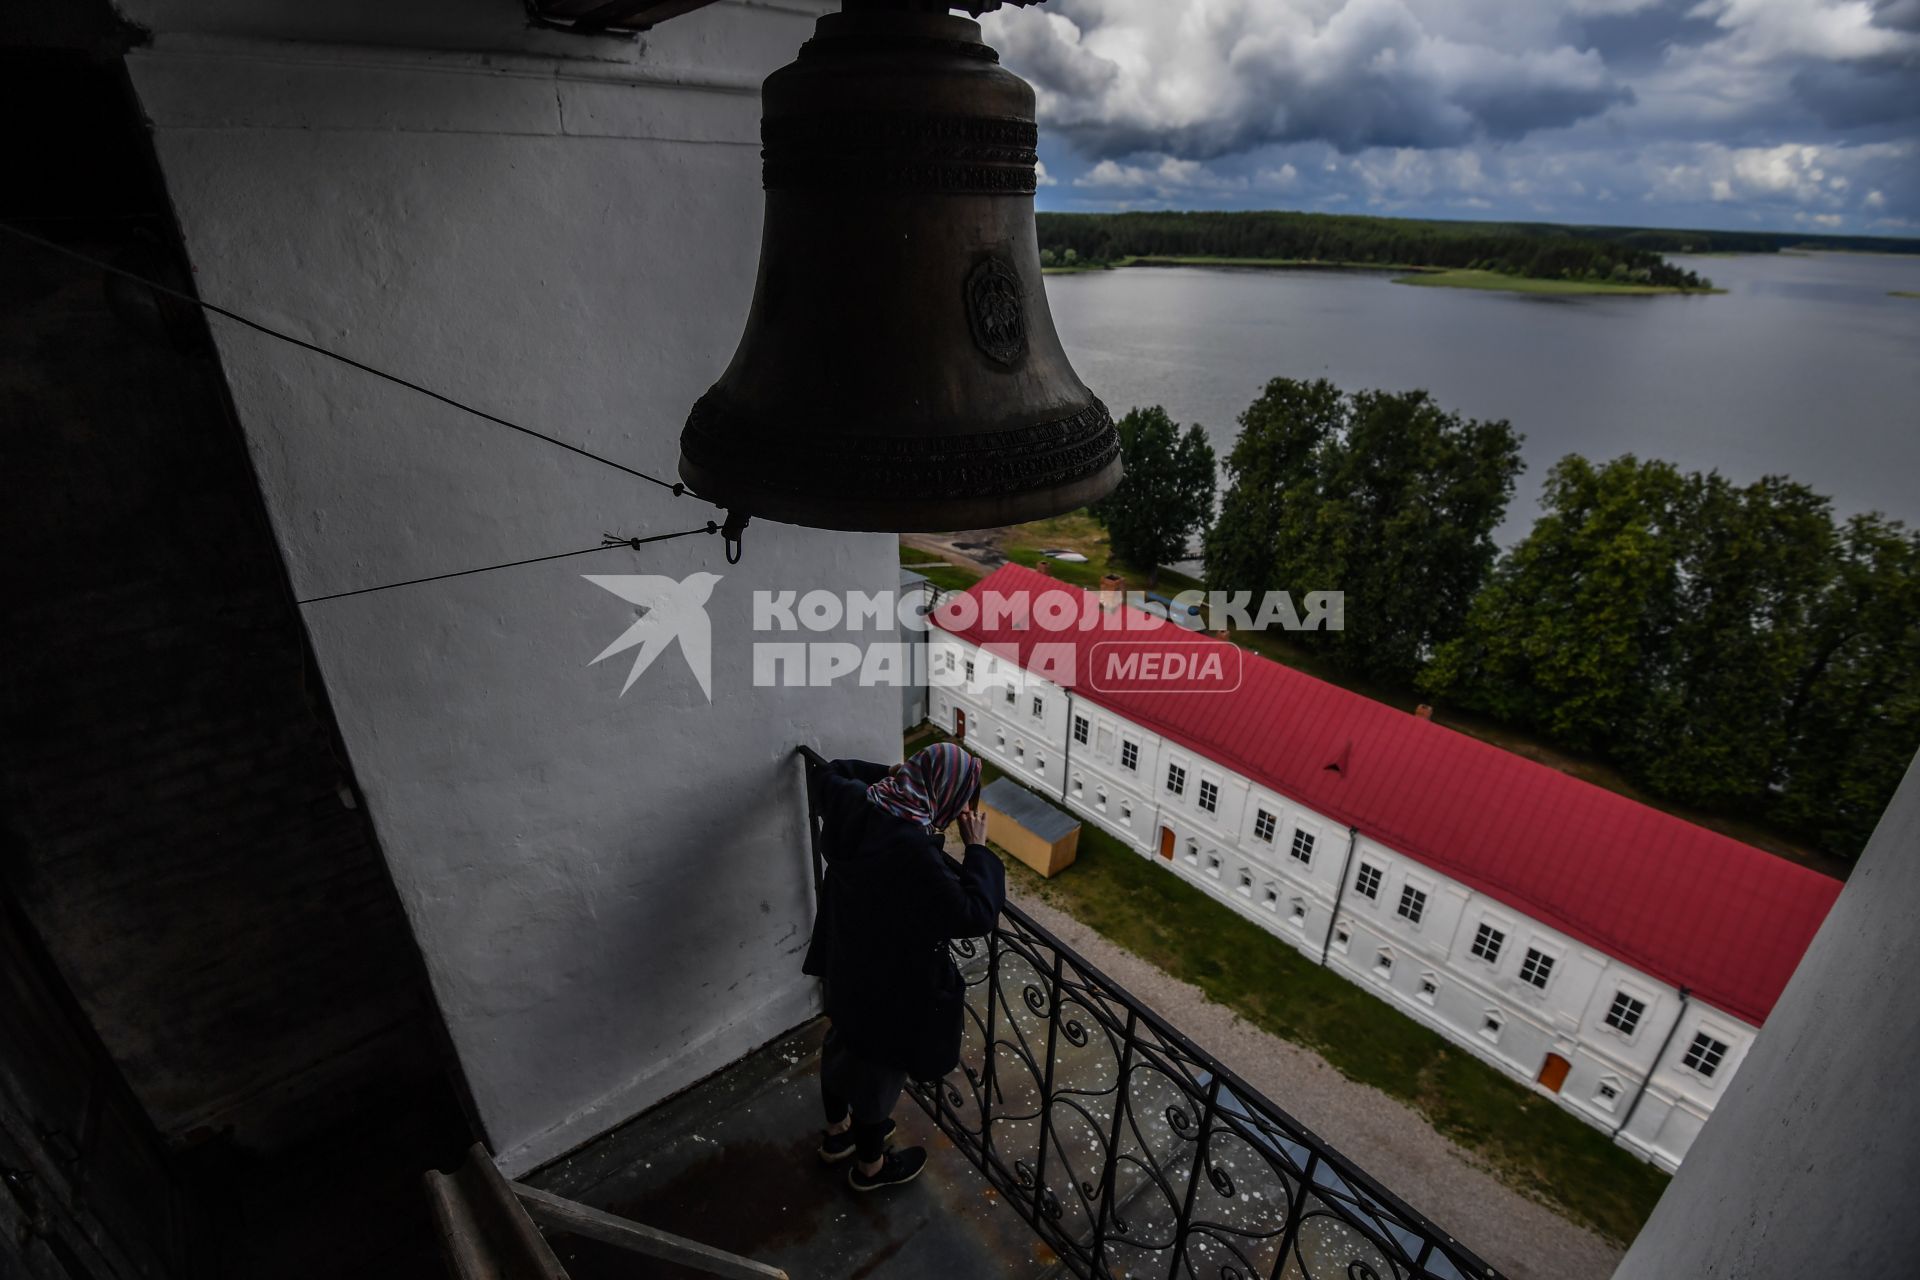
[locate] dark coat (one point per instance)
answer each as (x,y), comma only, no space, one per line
(891,901)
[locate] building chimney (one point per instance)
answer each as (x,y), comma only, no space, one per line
(1110,592)
(1043,567)
(1423,712)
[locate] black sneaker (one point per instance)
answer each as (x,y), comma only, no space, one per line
(896,1169)
(835,1147)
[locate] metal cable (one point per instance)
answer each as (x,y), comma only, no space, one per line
(677,487)
(607,544)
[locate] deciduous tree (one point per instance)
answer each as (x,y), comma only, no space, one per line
(1167,495)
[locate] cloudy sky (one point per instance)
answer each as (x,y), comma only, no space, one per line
(1775,114)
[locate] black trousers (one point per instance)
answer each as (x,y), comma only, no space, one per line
(849,1083)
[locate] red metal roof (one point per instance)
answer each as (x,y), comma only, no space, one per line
(1674,900)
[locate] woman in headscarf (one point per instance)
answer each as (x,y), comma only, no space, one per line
(891,901)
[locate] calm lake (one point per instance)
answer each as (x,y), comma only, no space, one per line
(1804,367)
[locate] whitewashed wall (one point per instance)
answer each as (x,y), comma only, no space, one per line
(611,892)
(1223,853)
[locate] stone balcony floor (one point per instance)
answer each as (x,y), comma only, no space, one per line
(731,1163)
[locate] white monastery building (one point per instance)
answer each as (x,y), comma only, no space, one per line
(1618,958)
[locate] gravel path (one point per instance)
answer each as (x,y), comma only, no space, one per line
(1384,1136)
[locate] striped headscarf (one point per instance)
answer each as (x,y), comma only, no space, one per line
(931,789)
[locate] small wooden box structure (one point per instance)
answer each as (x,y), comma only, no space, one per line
(1043,837)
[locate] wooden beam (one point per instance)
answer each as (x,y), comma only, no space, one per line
(557,1214)
(616,15)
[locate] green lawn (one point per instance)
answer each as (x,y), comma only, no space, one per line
(1528,284)
(1534,1146)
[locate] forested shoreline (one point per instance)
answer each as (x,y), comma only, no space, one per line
(1546,251)
(1732,647)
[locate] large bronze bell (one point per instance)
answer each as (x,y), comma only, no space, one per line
(899,369)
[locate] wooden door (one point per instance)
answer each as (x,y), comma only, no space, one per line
(960,723)
(1166,843)
(1553,1072)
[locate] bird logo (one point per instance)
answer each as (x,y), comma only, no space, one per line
(669,611)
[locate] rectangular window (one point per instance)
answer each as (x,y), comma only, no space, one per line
(1536,968)
(1039,708)
(1193,853)
(1246,883)
(1213,865)
(1080,730)
(1367,883)
(1019,751)
(1176,780)
(947,660)
(1624,1016)
(1272,898)
(1009,695)
(1429,989)
(1413,904)
(1209,797)
(1487,942)
(1302,849)
(1342,936)
(1490,1027)
(1039,761)
(1100,800)
(1129,754)
(1607,1094)
(1079,785)
(1299,917)
(1704,1054)
(969,670)
(1383,964)
(1126,813)
(1263,826)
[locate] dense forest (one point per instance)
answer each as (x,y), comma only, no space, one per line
(1536,249)
(1730,646)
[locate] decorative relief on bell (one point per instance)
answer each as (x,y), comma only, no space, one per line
(996,311)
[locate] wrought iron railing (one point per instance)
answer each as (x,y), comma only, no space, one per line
(1133,1152)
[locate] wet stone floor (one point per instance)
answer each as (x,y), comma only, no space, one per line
(731,1163)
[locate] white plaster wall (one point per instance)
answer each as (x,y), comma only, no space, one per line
(1567,1018)
(610,892)
(1809,1164)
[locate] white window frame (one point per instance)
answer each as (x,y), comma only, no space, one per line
(1270,897)
(1425,894)
(1129,746)
(1082,730)
(1718,1035)
(1492,925)
(1208,787)
(1039,707)
(1214,864)
(1313,843)
(1176,770)
(1552,956)
(1379,879)
(1600,1087)
(1343,936)
(1297,917)
(1428,991)
(1382,966)
(1632,992)
(1271,820)
(1011,695)
(1498,1021)
(1245,884)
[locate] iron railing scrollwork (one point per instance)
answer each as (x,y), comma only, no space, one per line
(1135,1154)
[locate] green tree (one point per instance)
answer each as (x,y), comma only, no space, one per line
(1755,564)
(1166,496)
(1383,496)
(1560,637)
(1853,721)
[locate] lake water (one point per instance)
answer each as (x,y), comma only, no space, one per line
(1805,367)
